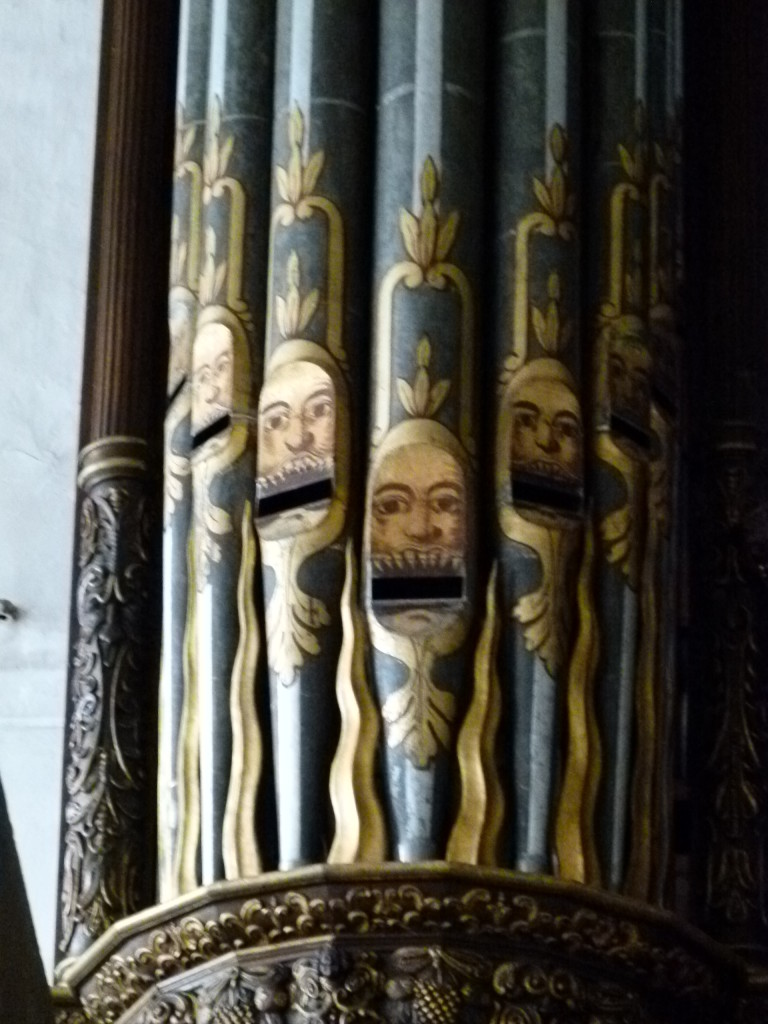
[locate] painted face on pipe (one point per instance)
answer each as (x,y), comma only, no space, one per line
(419,506)
(547,436)
(629,379)
(297,438)
(418,538)
(213,375)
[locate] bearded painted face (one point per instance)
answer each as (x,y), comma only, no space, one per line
(213,376)
(297,438)
(629,381)
(547,436)
(418,537)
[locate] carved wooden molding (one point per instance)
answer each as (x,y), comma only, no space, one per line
(170,954)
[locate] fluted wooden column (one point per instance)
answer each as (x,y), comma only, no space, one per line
(107,861)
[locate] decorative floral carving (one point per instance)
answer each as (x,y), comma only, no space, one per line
(69,1015)
(380,913)
(104,777)
(173,1009)
(428,983)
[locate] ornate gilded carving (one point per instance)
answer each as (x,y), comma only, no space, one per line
(429,982)
(423,984)
(105,802)
(510,919)
(70,1015)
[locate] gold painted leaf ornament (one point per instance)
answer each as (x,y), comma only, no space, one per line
(217,153)
(293,621)
(213,275)
(294,313)
(552,333)
(617,531)
(419,715)
(297,180)
(429,238)
(422,399)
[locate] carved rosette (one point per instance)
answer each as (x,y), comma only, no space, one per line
(106,868)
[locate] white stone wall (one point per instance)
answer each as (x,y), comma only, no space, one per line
(49,51)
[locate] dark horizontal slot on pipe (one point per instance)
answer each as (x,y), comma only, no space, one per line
(177,390)
(664,402)
(413,589)
(630,431)
(295,497)
(217,427)
(526,491)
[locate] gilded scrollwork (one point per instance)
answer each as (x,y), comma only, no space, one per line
(104,776)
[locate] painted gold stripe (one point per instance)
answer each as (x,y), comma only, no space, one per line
(239,843)
(569,823)
(647,691)
(465,842)
(360,830)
